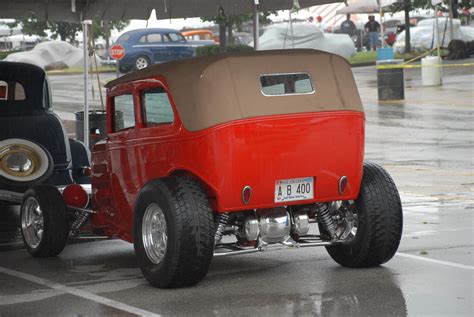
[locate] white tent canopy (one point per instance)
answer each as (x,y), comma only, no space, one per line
(365,6)
(77,10)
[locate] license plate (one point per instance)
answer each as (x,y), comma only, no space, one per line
(294,189)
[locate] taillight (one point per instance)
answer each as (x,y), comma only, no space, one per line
(3,92)
(74,195)
(342,185)
(246,194)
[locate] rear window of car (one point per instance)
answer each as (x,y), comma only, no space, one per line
(124,112)
(286,84)
(3,90)
(156,107)
(11,91)
(154,37)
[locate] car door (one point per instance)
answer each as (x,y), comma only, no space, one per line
(159,49)
(156,143)
(120,147)
(179,47)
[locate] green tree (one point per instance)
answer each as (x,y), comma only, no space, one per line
(31,26)
(103,28)
(227,22)
(66,31)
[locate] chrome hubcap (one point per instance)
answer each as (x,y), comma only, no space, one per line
(154,233)
(32,222)
(141,63)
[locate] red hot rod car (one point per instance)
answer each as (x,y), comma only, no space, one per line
(226,155)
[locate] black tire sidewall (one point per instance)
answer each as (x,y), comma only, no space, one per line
(373,244)
(56,227)
(156,192)
(190,229)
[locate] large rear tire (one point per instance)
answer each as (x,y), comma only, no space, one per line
(44,224)
(173,232)
(379,222)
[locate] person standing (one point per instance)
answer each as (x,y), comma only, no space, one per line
(373,28)
(348,27)
(320,24)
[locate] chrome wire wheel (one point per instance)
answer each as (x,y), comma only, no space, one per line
(154,233)
(348,222)
(351,227)
(141,62)
(32,222)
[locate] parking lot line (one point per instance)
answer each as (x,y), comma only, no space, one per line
(421,258)
(77,292)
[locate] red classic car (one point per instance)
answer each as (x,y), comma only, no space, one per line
(272,158)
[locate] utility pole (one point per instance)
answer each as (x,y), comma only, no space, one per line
(256,26)
(451,30)
(222,29)
(407,4)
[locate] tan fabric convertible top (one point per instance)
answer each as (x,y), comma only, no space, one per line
(216,89)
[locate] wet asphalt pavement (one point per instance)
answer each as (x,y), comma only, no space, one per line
(425,142)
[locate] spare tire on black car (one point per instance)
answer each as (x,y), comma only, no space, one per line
(23,163)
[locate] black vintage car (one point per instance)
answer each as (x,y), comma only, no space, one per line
(34,147)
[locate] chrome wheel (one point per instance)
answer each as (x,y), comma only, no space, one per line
(32,222)
(346,220)
(141,62)
(154,233)
(350,223)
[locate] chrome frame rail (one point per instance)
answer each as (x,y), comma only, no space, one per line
(73,208)
(304,242)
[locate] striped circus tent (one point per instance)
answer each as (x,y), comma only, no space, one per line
(333,20)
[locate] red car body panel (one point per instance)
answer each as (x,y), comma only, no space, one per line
(226,158)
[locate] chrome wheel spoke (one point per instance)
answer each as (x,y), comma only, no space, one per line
(32,222)
(154,233)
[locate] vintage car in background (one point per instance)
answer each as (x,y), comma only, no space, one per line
(274,158)
(199,35)
(34,147)
(145,47)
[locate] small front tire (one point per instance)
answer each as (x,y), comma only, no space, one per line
(173,232)
(141,62)
(379,222)
(44,224)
